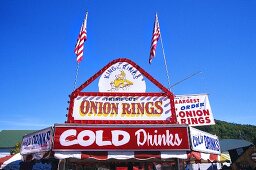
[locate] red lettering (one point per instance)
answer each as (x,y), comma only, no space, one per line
(199,113)
(140,108)
(94,107)
(159,109)
(201,120)
(206,112)
(126,108)
(84,108)
(133,108)
(207,120)
(189,113)
(194,121)
(181,114)
(183,121)
(149,108)
(100,108)
(107,108)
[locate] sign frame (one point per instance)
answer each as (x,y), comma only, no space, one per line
(193,109)
(78,93)
(36,136)
(199,137)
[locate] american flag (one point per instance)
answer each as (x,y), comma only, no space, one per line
(155,37)
(82,37)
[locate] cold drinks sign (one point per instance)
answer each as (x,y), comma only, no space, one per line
(118,137)
(204,142)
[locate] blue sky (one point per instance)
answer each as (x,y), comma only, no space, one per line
(37,63)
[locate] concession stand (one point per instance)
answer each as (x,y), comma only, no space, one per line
(122,126)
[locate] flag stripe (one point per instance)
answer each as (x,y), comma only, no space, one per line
(82,37)
(155,38)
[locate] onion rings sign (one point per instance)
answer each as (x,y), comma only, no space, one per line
(194,110)
(122,108)
(122,98)
(105,138)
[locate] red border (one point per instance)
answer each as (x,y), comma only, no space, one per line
(78,92)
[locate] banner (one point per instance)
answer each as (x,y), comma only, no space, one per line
(122,107)
(120,137)
(39,141)
(204,142)
(194,110)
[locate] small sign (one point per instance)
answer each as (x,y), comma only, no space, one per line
(39,141)
(114,137)
(204,142)
(194,110)
(122,77)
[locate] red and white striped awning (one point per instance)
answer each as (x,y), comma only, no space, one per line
(137,155)
(125,155)
(119,155)
(4,161)
(199,156)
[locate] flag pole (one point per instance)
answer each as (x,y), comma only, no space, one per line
(77,70)
(79,47)
(188,77)
(165,63)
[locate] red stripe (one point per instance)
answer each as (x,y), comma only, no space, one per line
(3,159)
(79,59)
(82,37)
(213,157)
(194,155)
(100,155)
(147,154)
(78,53)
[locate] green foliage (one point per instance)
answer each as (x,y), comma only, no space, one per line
(225,130)
(16,149)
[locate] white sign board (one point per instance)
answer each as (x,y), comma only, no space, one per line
(204,142)
(122,108)
(121,77)
(36,142)
(194,110)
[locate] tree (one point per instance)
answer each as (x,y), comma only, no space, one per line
(16,149)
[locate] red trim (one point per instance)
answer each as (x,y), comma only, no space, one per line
(213,157)
(194,155)
(99,155)
(78,92)
(147,155)
(3,159)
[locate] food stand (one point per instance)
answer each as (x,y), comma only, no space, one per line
(120,127)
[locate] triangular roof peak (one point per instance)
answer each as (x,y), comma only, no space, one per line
(141,70)
(89,107)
